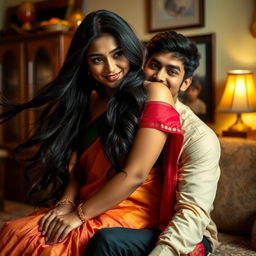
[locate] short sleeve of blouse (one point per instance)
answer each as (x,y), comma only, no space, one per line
(161,116)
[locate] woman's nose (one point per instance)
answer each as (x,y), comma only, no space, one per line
(110,65)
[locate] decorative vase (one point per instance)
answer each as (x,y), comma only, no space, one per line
(75,18)
(26,14)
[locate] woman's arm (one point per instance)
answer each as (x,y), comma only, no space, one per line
(67,200)
(73,187)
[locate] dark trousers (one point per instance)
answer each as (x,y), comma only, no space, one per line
(126,242)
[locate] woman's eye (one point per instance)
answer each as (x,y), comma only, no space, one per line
(118,54)
(97,60)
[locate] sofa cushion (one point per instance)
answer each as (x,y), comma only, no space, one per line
(233,245)
(235,205)
(253,236)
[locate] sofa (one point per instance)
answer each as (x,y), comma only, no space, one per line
(235,203)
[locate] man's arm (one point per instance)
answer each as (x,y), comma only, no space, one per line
(197,185)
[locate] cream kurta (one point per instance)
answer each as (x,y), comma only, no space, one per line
(197,184)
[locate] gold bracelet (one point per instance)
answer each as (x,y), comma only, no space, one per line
(81,214)
(65,201)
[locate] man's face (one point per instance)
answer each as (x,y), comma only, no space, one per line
(164,67)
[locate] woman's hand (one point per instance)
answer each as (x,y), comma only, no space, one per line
(57,227)
(62,209)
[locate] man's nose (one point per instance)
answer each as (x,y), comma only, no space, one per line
(159,76)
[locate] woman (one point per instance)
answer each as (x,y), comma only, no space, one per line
(99,108)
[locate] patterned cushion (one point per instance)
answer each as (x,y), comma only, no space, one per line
(235,207)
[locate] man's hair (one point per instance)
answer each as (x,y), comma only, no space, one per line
(183,48)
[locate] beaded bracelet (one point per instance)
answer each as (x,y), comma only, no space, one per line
(81,214)
(65,201)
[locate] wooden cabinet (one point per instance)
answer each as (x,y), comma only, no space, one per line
(27,62)
(12,82)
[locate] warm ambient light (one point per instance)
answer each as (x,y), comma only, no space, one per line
(239,97)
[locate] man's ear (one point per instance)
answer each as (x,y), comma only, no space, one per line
(186,83)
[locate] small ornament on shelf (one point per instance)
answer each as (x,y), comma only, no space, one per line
(75,18)
(26,14)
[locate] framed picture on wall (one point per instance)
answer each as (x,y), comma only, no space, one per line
(200,96)
(173,14)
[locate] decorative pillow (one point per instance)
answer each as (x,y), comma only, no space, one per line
(235,203)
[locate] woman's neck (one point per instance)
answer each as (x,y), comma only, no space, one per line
(97,105)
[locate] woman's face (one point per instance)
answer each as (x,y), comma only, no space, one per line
(106,62)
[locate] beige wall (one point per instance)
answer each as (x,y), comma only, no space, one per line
(229,19)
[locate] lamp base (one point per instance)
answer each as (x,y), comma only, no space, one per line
(247,135)
(239,125)
(240,129)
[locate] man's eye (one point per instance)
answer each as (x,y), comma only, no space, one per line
(97,60)
(153,66)
(172,72)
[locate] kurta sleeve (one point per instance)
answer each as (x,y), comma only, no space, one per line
(195,192)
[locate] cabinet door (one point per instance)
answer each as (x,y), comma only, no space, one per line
(42,56)
(12,72)
(45,57)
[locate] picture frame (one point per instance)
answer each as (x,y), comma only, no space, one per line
(166,15)
(205,75)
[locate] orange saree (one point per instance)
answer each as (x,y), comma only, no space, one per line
(140,210)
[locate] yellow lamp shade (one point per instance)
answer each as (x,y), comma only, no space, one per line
(240,94)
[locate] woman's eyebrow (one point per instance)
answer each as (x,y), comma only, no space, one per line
(100,54)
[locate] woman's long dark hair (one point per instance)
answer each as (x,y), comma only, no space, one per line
(65,102)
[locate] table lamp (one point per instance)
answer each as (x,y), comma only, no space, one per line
(239,97)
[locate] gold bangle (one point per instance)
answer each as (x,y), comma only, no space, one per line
(65,201)
(81,214)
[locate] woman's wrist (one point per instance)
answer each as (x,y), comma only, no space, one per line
(80,212)
(65,201)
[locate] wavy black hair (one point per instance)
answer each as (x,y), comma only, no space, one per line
(65,106)
(183,48)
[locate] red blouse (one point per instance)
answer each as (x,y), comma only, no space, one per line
(164,117)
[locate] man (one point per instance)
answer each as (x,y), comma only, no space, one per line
(172,60)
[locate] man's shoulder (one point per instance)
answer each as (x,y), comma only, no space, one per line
(192,126)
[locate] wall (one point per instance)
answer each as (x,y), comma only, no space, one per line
(230,20)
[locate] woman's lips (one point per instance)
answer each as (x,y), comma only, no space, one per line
(113,77)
